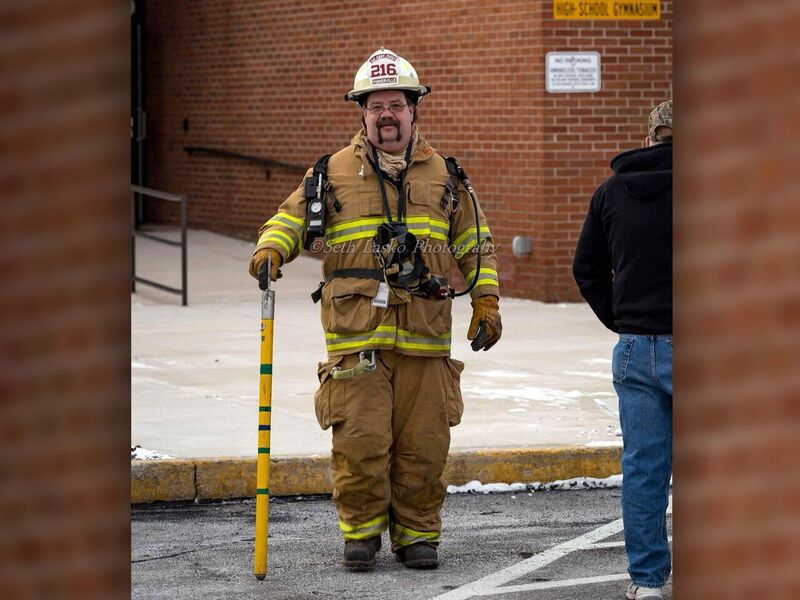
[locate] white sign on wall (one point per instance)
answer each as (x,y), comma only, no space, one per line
(572,72)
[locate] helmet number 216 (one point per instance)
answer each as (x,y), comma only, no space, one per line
(383,69)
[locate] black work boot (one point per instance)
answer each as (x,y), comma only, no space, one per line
(418,556)
(359,555)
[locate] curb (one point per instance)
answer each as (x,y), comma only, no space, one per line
(203,479)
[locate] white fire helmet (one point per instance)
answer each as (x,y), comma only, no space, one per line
(385,70)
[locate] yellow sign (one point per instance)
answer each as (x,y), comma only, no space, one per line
(606,9)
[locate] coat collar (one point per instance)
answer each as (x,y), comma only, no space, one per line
(422,152)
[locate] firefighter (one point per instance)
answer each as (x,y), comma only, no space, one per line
(394,218)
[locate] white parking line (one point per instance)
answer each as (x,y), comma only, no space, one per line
(547,585)
(619,544)
(491,584)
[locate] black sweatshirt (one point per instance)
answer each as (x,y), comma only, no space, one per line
(623,262)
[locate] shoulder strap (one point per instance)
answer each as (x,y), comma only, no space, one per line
(450,197)
(321,168)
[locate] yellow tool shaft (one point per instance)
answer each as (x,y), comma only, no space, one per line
(264,424)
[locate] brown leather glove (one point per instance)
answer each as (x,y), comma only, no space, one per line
(260,256)
(486,316)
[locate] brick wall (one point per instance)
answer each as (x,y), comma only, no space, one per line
(64,301)
(267,79)
(737,311)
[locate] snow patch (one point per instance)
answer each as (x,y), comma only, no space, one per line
(139,453)
(577,483)
(595,374)
(499,374)
(138,365)
(609,444)
(525,394)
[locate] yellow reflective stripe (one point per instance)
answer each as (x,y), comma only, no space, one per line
(379,329)
(387,335)
(434,228)
(382,335)
(355,223)
(470,231)
(331,346)
(404,536)
(432,347)
(365,228)
(353,230)
(484,271)
(462,249)
(288,220)
(439,229)
(419,228)
(413,341)
(366,530)
(487,277)
(275,236)
(354,236)
(277,233)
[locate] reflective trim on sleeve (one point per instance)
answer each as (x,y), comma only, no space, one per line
(289,221)
(462,248)
(278,237)
(487,277)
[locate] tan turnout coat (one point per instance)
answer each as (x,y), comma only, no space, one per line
(410,324)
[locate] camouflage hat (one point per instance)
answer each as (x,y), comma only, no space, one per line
(660,117)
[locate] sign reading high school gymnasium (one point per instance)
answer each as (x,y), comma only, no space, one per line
(606,9)
(572,72)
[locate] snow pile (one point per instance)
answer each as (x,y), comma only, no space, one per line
(476,487)
(139,453)
(604,444)
(577,483)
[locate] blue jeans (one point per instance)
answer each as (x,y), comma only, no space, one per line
(642,370)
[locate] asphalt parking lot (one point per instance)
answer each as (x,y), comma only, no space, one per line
(542,545)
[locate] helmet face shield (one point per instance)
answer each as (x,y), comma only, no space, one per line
(385,70)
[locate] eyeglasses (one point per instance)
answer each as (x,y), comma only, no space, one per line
(395,107)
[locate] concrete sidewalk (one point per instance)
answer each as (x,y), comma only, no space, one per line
(194,387)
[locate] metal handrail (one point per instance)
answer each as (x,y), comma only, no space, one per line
(264,162)
(183,290)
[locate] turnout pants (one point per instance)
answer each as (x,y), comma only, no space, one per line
(390,442)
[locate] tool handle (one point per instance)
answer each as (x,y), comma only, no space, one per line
(264,272)
(480,337)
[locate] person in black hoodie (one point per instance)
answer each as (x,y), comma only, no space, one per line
(623,268)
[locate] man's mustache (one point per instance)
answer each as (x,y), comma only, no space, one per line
(389,121)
